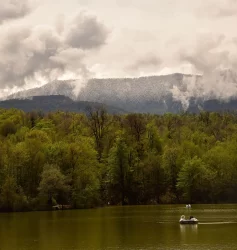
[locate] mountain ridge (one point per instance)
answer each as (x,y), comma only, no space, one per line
(53,103)
(58,86)
(173,93)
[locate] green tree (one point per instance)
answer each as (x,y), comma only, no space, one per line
(193,180)
(12,197)
(171,165)
(98,122)
(222,161)
(119,168)
(53,185)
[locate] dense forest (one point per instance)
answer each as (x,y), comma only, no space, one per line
(98,159)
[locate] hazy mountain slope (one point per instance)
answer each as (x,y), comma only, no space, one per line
(65,88)
(137,94)
(213,105)
(152,94)
(55,103)
(151,87)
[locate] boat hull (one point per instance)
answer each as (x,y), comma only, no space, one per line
(189,222)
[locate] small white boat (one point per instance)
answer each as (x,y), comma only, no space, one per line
(191,220)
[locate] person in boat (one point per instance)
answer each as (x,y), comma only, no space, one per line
(182,218)
(190,218)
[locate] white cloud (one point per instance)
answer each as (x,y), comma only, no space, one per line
(13,9)
(30,54)
(85,32)
(218,9)
(148,37)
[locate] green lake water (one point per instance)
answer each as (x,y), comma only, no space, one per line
(127,228)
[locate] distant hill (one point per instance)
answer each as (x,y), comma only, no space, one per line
(172,93)
(213,105)
(151,94)
(54,103)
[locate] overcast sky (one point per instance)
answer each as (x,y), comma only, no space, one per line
(42,40)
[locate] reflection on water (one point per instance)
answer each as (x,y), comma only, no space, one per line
(121,228)
(188,228)
(218,222)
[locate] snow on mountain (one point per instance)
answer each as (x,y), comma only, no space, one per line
(156,94)
(150,87)
(57,87)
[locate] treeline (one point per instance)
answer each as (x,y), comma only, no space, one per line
(99,159)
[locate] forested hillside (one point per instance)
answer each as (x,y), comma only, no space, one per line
(53,103)
(88,161)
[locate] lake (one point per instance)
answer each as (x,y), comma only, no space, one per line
(127,228)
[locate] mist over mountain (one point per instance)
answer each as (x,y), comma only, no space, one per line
(52,88)
(151,94)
